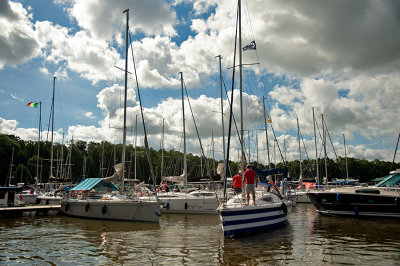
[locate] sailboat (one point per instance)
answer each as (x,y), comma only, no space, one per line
(98,197)
(270,210)
(204,202)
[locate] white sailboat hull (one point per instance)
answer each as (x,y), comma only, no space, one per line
(185,203)
(127,210)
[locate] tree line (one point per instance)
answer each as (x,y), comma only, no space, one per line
(79,159)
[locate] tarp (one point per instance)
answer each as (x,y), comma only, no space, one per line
(272,171)
(87,184)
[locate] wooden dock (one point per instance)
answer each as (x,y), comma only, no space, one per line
(30,210)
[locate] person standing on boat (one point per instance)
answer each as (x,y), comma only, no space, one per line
(237,183)
(251,181)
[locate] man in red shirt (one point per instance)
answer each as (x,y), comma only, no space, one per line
(250,178)
(237,184)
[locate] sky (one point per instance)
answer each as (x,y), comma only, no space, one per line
(341,58)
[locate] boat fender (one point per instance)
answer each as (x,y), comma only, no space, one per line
(47,202)
(396,202)
(158,214)
(87,207)
(20,197)
(284,208)
(167,205)
(37,201)
(186,205)
(356,210)
(338,197)
(104,209)
(66,207)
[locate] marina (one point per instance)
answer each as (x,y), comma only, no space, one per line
(307,239)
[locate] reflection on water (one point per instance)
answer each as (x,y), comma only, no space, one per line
(308,239)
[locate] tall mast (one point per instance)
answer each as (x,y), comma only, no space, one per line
(184,137)
(125,96)
(38,149)
(257,146)
(324,142)
(135,144)
(213,153)
(11,166)
(222,108)
(102,160)
(52,128)
(266,133)
(162,150)
(316,151)
(241,86)
(298,136)
(345,157)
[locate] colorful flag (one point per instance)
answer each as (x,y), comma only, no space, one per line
(269,120)
(250,46)
(32,104)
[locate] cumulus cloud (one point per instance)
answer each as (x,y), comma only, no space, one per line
(17,40)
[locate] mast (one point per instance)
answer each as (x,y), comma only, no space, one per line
(241,87)
(52,128)
(136,144)
(11,166)
(184,137)
(125,96)
(316,151)
(102,160)
(38,149)
(394,156)
(345,157)
(324,142)
(257,146)
(222,108)
(298,136)
(266,133)
(162,150)
(213,148)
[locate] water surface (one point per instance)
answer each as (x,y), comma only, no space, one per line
(308,239)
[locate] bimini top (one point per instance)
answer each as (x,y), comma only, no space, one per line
(89,183)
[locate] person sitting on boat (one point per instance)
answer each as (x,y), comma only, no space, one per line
(251,182)
(237,183)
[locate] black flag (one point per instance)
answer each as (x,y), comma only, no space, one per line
(250,46)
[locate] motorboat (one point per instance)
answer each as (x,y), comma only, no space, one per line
(380,201)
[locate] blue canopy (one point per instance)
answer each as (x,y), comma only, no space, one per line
(89,183)
(272,171)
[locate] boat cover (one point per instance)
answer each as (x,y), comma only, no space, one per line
(89,183)
(272,171)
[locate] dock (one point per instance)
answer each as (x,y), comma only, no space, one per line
(30,210)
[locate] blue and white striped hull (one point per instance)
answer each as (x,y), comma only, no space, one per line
(246,219)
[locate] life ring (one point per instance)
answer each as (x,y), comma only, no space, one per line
(67,207)
(87,207)
(104,209)
(284,208)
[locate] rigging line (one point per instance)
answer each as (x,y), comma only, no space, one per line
(233,115)
(197,131)
(231,110)
(304,145)
(329,135)
(146,144)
